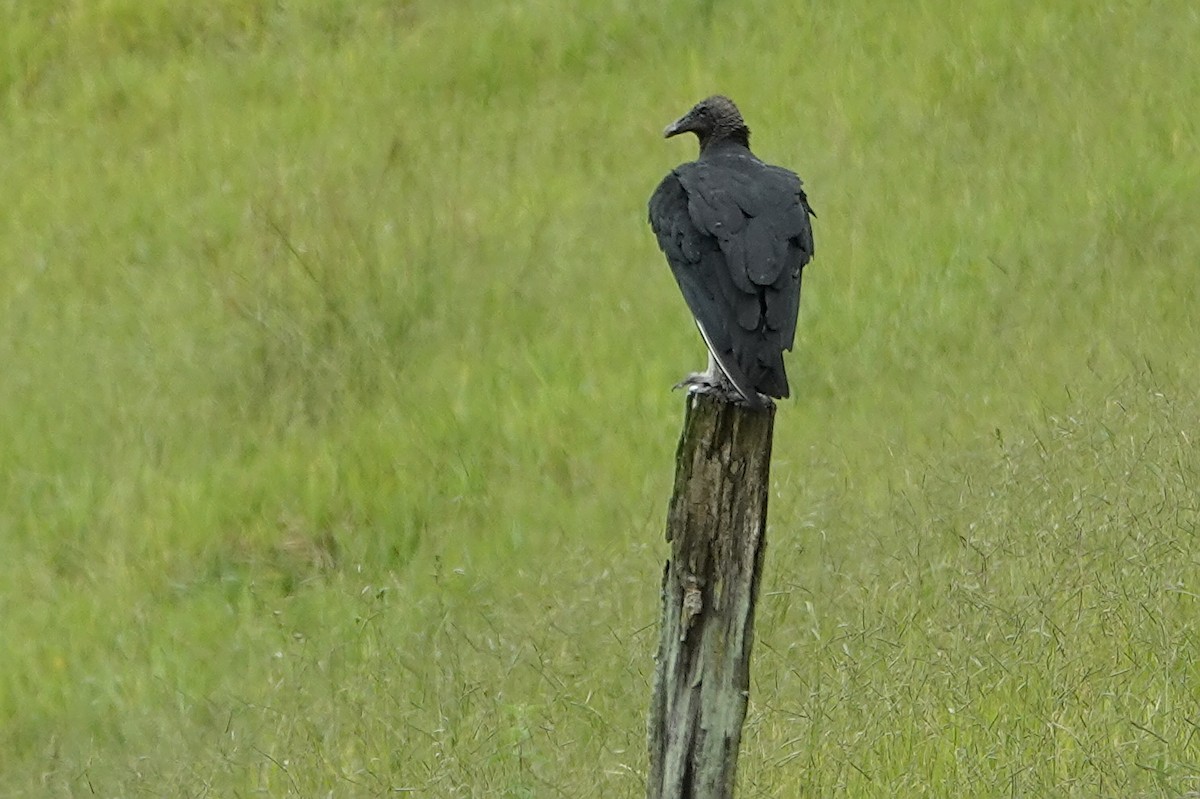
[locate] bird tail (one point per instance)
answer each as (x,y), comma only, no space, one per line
(772,379)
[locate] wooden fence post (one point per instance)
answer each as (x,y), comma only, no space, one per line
(716,525)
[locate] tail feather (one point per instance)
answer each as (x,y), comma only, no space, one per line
(771,378)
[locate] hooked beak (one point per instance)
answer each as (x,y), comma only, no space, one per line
(678,126)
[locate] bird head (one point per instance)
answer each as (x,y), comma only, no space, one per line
(713,119)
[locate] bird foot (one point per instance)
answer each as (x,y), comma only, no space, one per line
(699,381)
(705,383)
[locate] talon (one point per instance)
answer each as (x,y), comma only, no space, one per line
(695,380)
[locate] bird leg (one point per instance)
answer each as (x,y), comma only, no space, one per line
(713,380)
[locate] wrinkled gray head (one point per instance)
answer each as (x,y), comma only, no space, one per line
(712,120)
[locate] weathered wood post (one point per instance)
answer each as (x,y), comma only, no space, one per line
(716,525)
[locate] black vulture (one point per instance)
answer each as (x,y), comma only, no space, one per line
(737,235)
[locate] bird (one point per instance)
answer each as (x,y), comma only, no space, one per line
(737,235)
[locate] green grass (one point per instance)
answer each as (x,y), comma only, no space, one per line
(335,431)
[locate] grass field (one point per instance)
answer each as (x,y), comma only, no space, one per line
(335,424)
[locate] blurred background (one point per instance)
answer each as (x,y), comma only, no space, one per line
(336,429)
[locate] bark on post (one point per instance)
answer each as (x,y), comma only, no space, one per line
(716,525)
